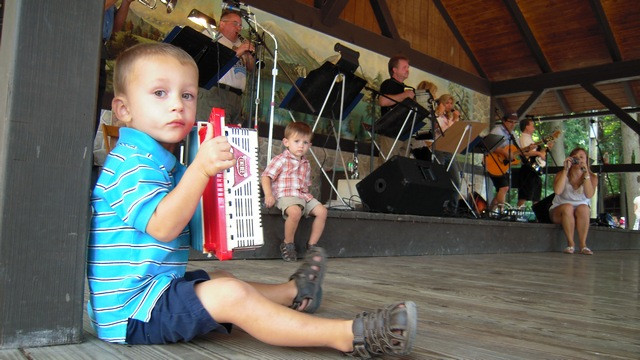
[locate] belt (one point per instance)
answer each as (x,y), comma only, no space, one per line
(230,88)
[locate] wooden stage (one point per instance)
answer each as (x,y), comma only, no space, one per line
(361,234)
(544,305)
(485,289)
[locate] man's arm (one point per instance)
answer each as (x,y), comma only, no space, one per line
(121,15)
(384,101)
(244,51)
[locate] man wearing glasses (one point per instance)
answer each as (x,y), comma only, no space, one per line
(227,93)
(504,151)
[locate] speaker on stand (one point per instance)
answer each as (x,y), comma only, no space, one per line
(407,186)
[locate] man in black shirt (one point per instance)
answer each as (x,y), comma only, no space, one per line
(394,87)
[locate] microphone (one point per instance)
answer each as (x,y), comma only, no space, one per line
(236,7)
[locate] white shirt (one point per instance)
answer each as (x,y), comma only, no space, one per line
(525,140)
(236,77)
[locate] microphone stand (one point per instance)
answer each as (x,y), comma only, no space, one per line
(255,81)
(274,73)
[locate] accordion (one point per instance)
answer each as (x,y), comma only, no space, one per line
(228,217)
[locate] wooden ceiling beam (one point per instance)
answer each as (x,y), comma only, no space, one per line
(620,71)
(535,49)
(310,17)
(629,92)
(331,11)
(580,115)
(529,103)
(610,40)
(527,34)
(562,100)
(456,33)
(621,114)
(385,20)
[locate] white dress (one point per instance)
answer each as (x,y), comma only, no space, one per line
(571,196)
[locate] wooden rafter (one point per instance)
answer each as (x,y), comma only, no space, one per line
(623,70)
(385,20)
(526,32)
(536,50)
(331,11)
(620,113)
(601,17)
(456,33)
(562,100)
(529,103)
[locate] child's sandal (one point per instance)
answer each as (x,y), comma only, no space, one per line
(308,278)
(288,252)
(389,331)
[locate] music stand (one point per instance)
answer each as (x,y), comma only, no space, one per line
(321,82)
(481,145)
(451,142)
(214,60)
(393,123)
(318,87)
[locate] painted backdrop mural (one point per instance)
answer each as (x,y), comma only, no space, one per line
(300,51)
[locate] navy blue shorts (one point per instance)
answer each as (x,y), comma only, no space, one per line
(177,316)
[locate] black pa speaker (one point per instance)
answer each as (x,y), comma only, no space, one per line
(407,186)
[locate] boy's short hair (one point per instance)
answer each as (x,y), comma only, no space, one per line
(127,59)
(296,127)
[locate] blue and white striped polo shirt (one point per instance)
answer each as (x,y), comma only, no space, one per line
(128,269)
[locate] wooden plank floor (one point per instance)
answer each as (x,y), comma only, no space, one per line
(496,306)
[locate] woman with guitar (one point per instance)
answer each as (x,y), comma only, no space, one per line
(502,158)
(574,186)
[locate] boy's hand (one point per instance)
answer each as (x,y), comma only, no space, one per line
(269,200)
(214,155)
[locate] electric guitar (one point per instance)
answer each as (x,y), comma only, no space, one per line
(498,164)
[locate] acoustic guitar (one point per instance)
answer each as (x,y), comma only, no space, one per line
(498,164)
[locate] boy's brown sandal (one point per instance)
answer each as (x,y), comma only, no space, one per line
(288,252)
(308,278)
(387,331)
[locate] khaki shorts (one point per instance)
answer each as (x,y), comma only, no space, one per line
(284,202)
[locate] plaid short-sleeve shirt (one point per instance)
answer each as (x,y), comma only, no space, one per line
(290,176)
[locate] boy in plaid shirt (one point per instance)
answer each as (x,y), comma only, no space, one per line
(285,183)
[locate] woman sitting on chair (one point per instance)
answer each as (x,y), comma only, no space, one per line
(574,186)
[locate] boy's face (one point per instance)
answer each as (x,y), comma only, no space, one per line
(160,99)
(297,144)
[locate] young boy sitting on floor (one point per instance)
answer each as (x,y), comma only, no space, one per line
(140,292)
(286,182)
